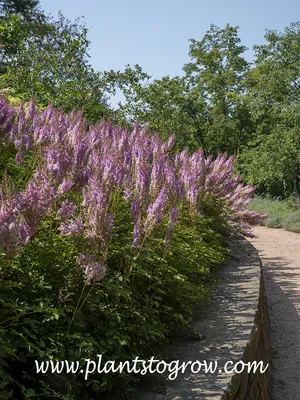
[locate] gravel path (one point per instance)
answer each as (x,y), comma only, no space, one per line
(280,253)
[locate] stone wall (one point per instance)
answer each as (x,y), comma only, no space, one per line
(235,327)
(255,386)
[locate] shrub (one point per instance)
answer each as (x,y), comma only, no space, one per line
(137,308)
(281,213)
(292,222)
(108,241)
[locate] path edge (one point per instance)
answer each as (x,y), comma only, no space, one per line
(255,386)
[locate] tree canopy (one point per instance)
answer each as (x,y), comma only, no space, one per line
(221,102)
(49,59)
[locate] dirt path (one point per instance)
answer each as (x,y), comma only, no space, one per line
(280,253)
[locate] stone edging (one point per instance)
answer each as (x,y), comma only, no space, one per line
(236,327)
(255,386)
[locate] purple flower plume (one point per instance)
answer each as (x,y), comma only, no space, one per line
(103,164)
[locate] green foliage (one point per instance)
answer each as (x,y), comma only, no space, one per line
(206,106)
(221,103)
(292,222)
(48,59)
(10,37)
(47,312)
(271,160)
(19,175)
(7,160)
(218,69)
(20,21)
(281,213)
(24,7)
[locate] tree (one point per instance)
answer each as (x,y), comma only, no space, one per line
(207,107)
(23,7)
(166,106)
(218,69)
(48,59)
(272,159)
(20,19)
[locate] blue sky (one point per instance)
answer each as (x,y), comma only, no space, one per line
(154,34)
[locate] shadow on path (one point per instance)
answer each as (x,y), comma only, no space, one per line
(226,325)
(280,253)
(285,336)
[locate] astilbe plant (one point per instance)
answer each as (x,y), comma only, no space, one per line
(6,120)
(81,171)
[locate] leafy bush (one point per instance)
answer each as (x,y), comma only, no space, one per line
(281,213)
(292,222)
(134,311)
(109,241)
